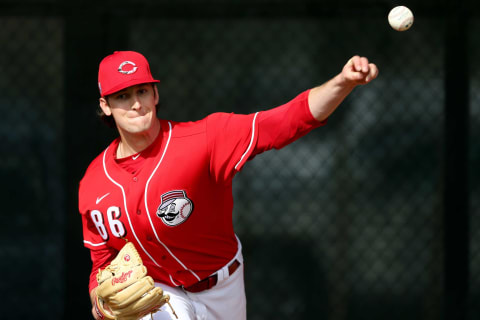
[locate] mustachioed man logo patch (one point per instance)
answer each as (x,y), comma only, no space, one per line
(175,208)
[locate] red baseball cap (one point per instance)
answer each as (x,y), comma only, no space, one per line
(123,69)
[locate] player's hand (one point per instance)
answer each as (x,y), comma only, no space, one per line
(358,70)
(124,290)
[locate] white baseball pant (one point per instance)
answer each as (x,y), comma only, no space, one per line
(226,300)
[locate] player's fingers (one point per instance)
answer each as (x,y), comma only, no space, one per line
(359,70)
(353,63)
(358,64)
(372,72)
(364,65)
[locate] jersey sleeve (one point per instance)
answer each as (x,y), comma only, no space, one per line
(100,254)
(91,236)
(230,138)
(282,125)
(100,259)
(234,139)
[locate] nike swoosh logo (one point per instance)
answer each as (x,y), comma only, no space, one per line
(101,198)
(135,157)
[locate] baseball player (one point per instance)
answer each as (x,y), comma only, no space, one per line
(166,186)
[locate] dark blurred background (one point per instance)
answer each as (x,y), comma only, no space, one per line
(374,216)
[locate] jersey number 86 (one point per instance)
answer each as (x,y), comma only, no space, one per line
(116,226)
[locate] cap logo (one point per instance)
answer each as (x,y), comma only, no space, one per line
(123,64)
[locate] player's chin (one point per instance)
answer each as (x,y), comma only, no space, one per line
(138,128)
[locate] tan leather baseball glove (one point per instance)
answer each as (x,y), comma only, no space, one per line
(124,291)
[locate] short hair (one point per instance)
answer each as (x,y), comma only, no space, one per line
(108,120)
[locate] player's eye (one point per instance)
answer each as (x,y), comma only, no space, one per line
(122,96)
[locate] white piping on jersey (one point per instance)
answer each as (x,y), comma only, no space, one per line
(125,206)
(251,141)
(171,279)
(94,244)
(148,211)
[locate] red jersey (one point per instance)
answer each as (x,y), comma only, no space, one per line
(176,207)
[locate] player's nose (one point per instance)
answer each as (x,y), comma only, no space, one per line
(136,104)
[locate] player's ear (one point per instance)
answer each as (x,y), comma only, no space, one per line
(104,106)
(156,94)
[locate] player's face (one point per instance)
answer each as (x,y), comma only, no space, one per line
(133,108)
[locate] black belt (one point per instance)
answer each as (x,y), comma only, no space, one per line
(211,281)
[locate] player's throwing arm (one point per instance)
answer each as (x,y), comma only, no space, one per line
(323,100)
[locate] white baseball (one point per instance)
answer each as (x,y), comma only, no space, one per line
(400,18)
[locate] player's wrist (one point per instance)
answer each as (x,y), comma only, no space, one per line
(341,83)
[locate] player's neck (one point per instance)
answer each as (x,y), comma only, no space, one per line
(133,143)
